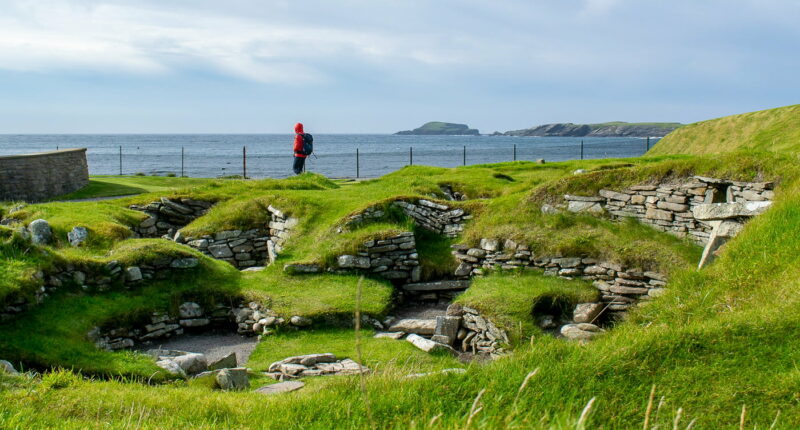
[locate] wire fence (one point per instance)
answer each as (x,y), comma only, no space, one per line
(338,157)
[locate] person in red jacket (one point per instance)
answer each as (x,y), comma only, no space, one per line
(299,157)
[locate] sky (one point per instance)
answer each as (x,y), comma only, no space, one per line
(379,66)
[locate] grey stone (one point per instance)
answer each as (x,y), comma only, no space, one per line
(280,387)
(447,326)
(301,268)
(675,207)
(437,286)
(41,233)
(233,379)
(8,368)
(548,209)
(300,321)
(613,195)
(352,261)
(715,211)
(587,312)
(463,269)
(184,263)
(426,345)
(581,331)
(133,274)
(190,310)
(220,251)
(194,322)
(390,335)
(583,206)
(171,367)
(78,235)
(425,327)
(592,199)
(192,362)
(658,214)
(490,244)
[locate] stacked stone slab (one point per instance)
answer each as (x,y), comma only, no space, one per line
(435,291)
(432,216)
(313,365)
(250,248)
(669,206)
(620,287)
(166,217)
(435,217)
(393,258)
(99,277)
(461,329)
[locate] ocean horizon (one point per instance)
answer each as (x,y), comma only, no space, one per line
(270,155)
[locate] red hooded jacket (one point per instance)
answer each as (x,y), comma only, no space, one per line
(298,140)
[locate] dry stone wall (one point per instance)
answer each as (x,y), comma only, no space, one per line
(167,216)
(38,177)
(94,278)
(669,207)
(242,249)
(619,287)
(432,216)
(393,258)
(251,318)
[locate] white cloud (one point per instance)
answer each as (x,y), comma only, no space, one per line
(56,35)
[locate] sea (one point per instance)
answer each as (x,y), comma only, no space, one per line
(335,155)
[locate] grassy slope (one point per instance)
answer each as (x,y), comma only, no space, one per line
(721,338)
(110,186)
(773,130)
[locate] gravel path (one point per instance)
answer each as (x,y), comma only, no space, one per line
(213,345)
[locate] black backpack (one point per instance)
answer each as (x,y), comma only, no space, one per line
(308,144)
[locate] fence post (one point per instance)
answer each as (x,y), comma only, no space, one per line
(244,162)
(120,160)
(358,167)
(648,143)
(410,155)
(515,152)
(581,149)
(182,175)
(465,155)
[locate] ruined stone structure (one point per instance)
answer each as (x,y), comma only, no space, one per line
(42,176)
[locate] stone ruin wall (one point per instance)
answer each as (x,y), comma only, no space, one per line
(432,216)
(42,176)
(670,207)
(242,249)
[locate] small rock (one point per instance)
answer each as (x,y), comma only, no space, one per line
(133,274)
(184,263)
(581,331)
(587,312)
(390,335)
(300,321)
(281,387)
(233,379)
(426,345)
(190,310)
(171,367)
(41,233)
(78,235)
(7,367)
(192,362)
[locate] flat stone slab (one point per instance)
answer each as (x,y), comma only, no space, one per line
(437,286)
(418,326)
(714,211)
(390,335)
(280,387)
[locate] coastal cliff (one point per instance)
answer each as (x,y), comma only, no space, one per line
(606,129)
(441,128)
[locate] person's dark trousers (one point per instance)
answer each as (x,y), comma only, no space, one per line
(299,163)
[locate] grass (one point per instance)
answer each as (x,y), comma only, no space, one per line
(771,130)
(719,338)
(112,186)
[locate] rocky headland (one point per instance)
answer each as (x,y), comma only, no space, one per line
(606,129)
(441,128)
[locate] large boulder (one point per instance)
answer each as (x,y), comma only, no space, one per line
(190,310)
(587,312)
(226,362)
(41,233)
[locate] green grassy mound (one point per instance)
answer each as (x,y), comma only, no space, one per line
(771,130)
(719,339)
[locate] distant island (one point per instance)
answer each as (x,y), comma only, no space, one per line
(605,129)
(441,128)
